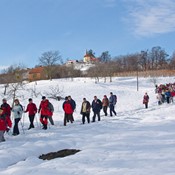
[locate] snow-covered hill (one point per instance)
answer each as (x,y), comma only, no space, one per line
(137,141)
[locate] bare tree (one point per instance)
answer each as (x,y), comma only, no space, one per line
(54,92)
(49,60)
(13,90)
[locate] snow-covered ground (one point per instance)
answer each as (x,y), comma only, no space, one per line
(137,141)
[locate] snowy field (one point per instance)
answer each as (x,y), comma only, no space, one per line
(137,141)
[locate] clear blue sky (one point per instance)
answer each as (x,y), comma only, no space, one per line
(30,27)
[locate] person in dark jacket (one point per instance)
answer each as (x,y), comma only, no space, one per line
(146,100)
(68,111)
(112,103)
(96,107)
(32,110)
(85,110)
(167,95)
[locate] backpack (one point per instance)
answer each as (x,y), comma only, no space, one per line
(50,106)
(100,103)
(115,99)
(21,107)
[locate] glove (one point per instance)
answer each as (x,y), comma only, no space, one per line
(18,112)
(7,129)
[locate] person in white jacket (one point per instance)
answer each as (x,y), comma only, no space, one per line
(17,113)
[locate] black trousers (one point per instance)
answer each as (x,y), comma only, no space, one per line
(105,110)
(98,115)
(31,119)
(85,115)
(112,110)
(15,128)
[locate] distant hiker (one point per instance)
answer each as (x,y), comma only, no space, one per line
(96,107)
(146,100)
(17,114)
(105,104)
(50,114)
(44,112)
(167,95)
(112,103)
(85,110)
(159,98)
(73,104)
(32,110)
(68,111)
(4,123)
(6,109)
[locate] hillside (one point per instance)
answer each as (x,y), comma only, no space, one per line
(136,141)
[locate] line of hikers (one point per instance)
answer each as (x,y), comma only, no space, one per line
(165,93)
(46,110)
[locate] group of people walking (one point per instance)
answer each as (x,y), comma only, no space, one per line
(165,93)
(46,110)
(97,105)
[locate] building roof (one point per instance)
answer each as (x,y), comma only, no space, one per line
(36,70)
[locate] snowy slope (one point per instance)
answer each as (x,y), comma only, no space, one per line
(137,141)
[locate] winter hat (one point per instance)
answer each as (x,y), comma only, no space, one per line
(4,99)
(105,96)
(43,97)
(30,99)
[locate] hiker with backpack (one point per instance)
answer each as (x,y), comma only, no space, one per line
(6,110)
(17,114)
(112,103)
(32,110)
(96,108)
(68,111)
(50,114)
(4,123)
(44,112)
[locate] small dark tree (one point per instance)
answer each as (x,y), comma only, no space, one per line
(105,57)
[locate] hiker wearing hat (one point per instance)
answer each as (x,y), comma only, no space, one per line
(68,111)
(105,104)
(4,123)
(44,112)
(85,110)
(32,110)
(6,109)
(17,113)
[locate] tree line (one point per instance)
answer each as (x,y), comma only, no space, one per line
(154,59)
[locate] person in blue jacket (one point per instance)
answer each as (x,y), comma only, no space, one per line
(96,107)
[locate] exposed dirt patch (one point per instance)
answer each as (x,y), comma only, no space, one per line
(58,154)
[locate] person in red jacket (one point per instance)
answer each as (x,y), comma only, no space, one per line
(44,111)
(6,110)
(68,111)
(32,110)
(4,123)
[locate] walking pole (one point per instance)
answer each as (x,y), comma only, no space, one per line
(36,121)
(22,127)
(23,115)
(39,120)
